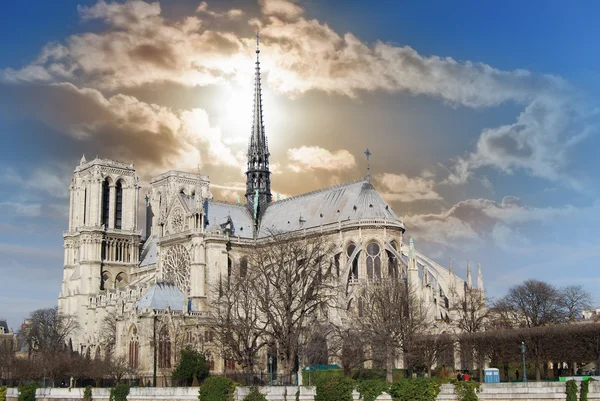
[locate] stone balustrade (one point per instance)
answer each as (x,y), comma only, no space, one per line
(532,391)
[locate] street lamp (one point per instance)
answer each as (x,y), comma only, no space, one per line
(523,348)
(271,369)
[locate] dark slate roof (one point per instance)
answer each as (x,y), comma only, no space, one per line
(4,325)
(218,213)
(356,200)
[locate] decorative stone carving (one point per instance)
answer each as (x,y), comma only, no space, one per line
(176,267)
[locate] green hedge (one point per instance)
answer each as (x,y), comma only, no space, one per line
(87,394)
(28,392)
(119,392)
(415,389)
(216,388)
(466,390)
(585,389)
(571,390)
(333,387)
(371,389)
(3,393)
(255,395)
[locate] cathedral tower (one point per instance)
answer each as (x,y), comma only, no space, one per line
(258,176)
(102,243)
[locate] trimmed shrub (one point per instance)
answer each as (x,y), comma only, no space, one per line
(28,392)
(216,388)
(415,389)
(333,387)
(87,394)
(255,395)
(371,389)
(585,389)
(3,393)
(192,367)
(466,390)
(571,390)
(119,392)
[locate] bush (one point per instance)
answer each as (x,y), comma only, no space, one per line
(3,393)
(333,387)
(217,389)
(28,392)
(119,392)
(571,390)
(192,366)
(371,389)
(585,389)
(255,395)
(415,389)
(466,390)
(87,394)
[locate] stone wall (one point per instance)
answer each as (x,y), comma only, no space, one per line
(532,391)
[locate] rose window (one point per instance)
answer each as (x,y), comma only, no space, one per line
(176,267)
(177,221)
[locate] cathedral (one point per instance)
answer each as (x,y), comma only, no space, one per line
(136,296)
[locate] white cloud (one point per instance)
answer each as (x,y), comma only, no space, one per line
(307,158)
(22,209)
(399,187)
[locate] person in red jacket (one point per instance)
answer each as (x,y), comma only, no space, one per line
(466,377)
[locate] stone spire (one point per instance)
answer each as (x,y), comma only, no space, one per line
(479,278)
(469,279)
(258,176)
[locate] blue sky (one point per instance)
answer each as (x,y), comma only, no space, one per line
(482,119)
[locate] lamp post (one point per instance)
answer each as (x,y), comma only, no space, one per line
(523,348)
(271,370)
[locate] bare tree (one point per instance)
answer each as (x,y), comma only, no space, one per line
(390,314)
(574,300)
(429,348)
(118,367)
(236,318)
(108,333)
(470,313)
(47,334)
(292,281)
(533,303)
(348,344)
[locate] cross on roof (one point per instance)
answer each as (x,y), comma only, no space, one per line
(368,154)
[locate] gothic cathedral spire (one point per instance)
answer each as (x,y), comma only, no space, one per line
(258,176)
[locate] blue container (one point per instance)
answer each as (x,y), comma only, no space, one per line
(492,375)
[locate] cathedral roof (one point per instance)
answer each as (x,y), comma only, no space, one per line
(162,296)
(149,251)
(218,214)
(356,200)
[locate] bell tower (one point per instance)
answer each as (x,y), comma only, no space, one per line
(258,176)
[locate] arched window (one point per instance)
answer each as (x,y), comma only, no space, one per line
(373,261)
(134,349)
(164,349)
(229,267)
(354,272)
(107,282)
(336,262)
(361,307)
(243,267)
(392,264)
(119,205)
(121,280)
(105,203)
(84,205)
